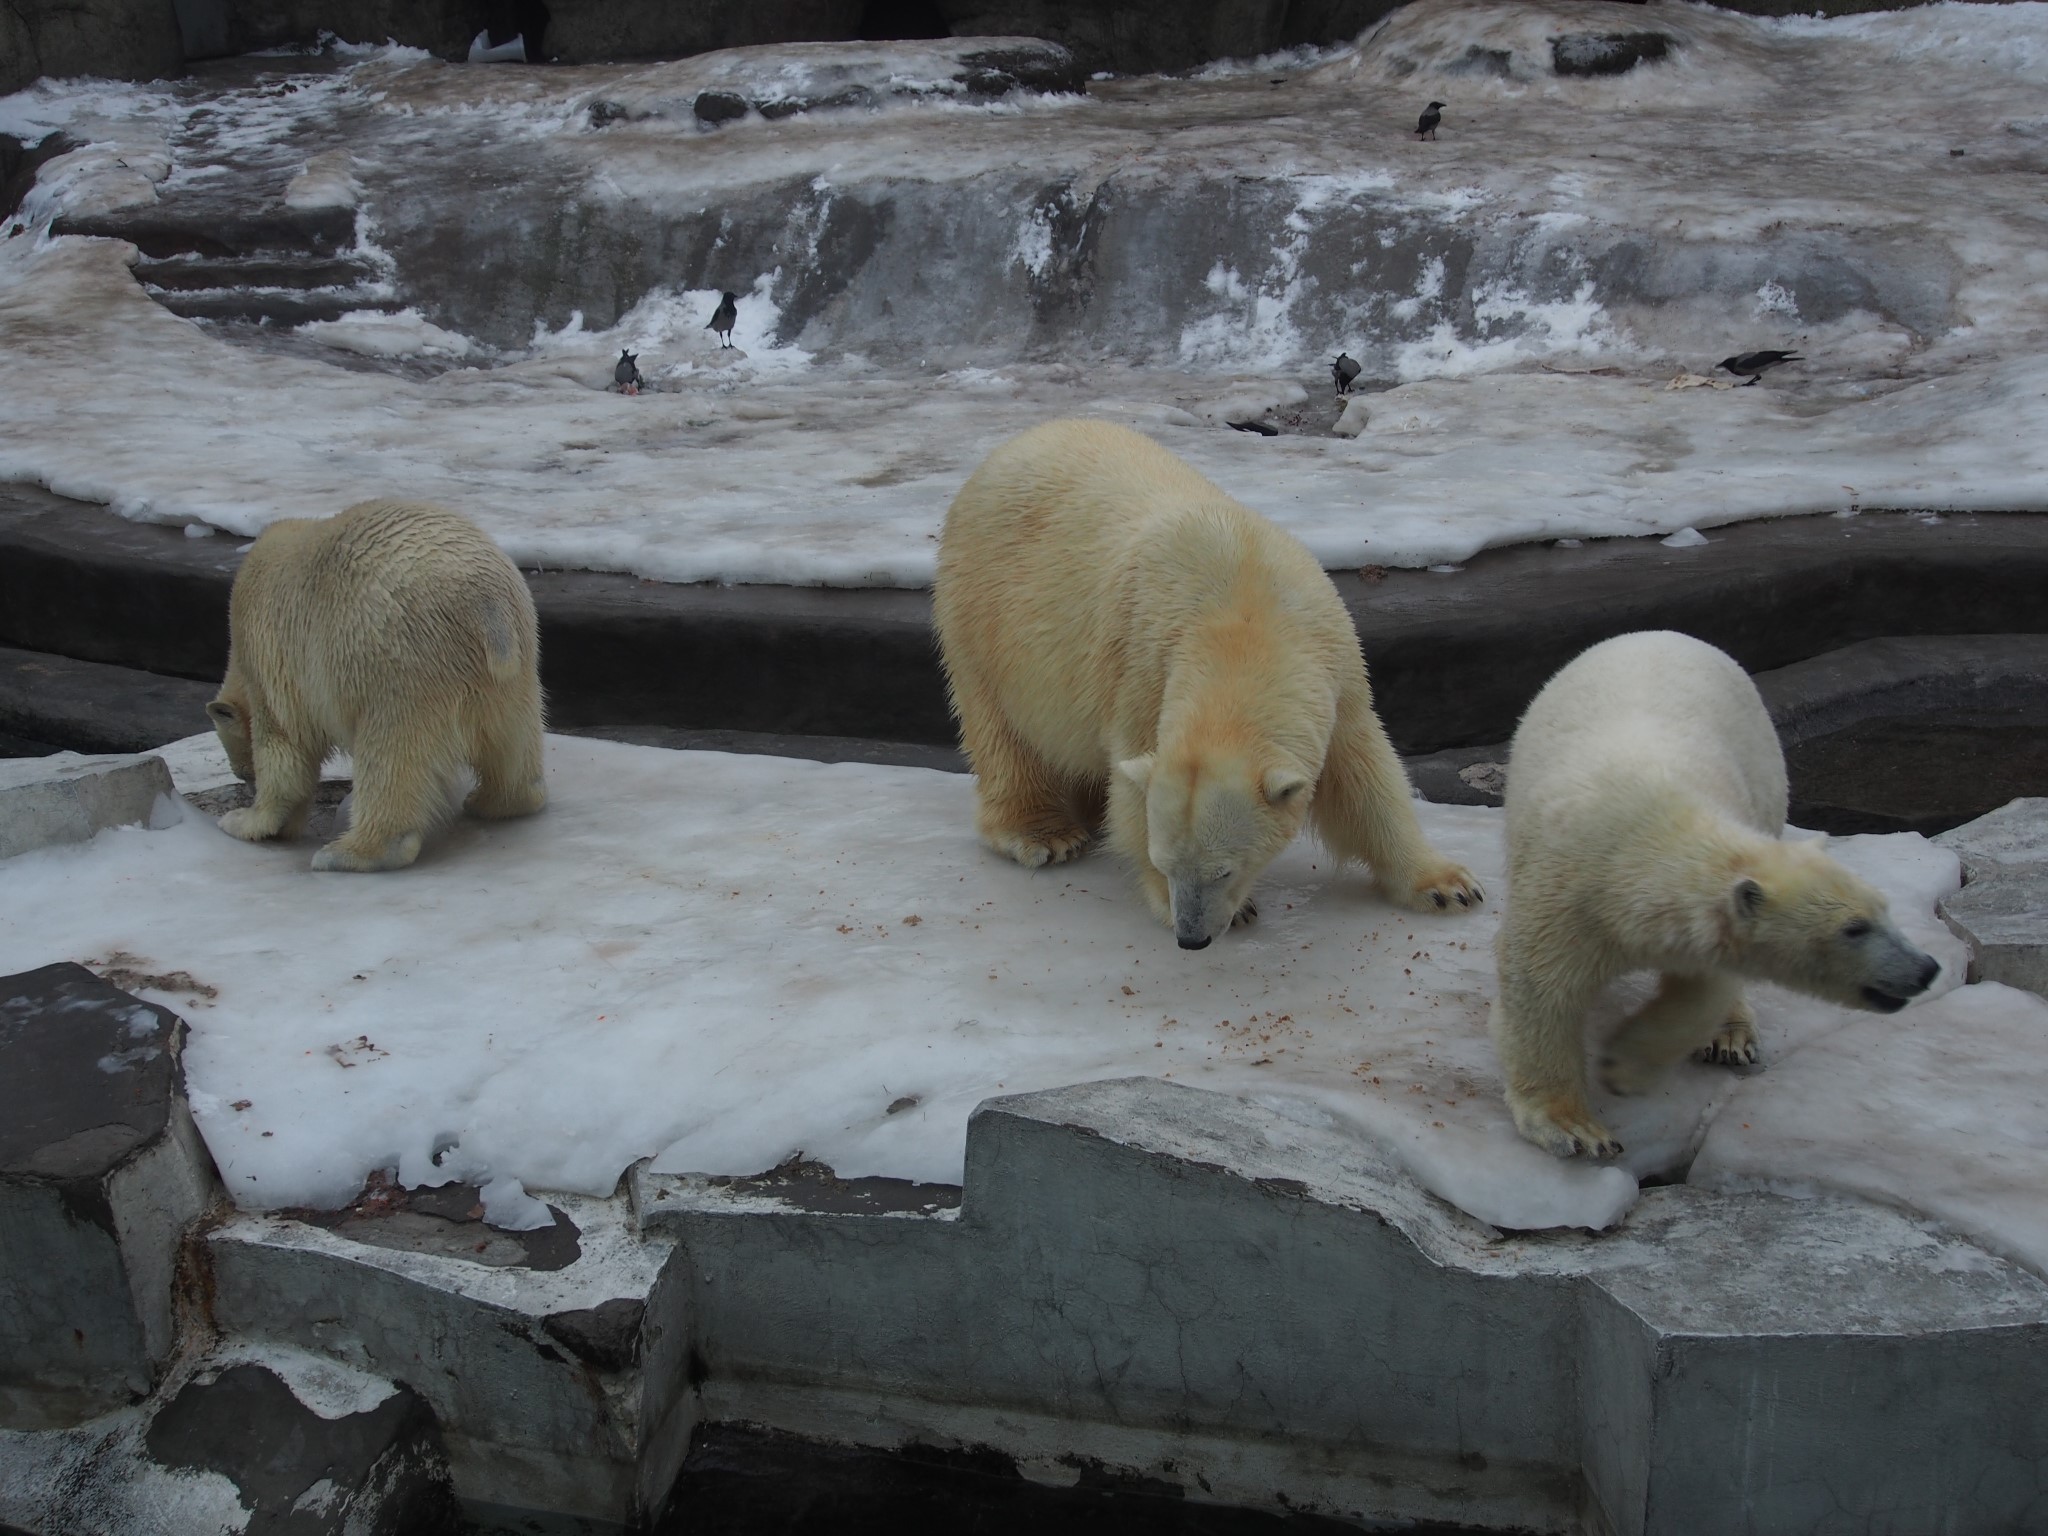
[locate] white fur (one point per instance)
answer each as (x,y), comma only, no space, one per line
(1645,803)
(1100,606)
(400,633)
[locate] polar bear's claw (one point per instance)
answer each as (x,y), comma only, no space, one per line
(1246,914)
(1438,888)
(1566,1131)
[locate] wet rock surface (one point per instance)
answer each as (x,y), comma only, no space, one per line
(378,1472)
(447,1220)
(100,1172)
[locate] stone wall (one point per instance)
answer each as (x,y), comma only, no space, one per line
(146,39)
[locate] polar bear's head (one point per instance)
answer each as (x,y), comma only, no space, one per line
(229,713)
(1798,918)
(1213,821)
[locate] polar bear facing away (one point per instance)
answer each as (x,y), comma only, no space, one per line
(400,633)
(1645,803)
(1121,638)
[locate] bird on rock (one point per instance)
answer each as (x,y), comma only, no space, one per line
(722,318)
(626,374)
(1344,370)
(1425,126)
(1753,364)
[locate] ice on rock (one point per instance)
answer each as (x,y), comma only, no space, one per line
(1148,254)
(1685,538)
(719,961)
(510,1208)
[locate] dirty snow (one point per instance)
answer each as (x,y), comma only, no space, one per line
(1529,283)
(719,962)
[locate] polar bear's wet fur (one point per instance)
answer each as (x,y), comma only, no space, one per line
(1645,802)
(1126,645)
(401,634)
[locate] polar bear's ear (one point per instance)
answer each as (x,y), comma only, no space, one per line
(1282,785)
(1137,769)
(1745,899)
(221,712)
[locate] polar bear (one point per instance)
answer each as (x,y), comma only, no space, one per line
(1645,799)
(400,633)
(1120,636)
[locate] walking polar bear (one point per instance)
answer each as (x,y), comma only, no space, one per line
(1645,803)
(1121,637)
(400,633)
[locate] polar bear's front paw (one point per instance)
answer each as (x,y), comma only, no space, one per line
(1733,1044)
(1564,1126)
(1039,844)
(1246,914)
(346,854)
(1444,888)
(249,825)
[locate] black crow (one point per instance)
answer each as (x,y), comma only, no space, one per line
(1344,370)
(626,374)
(723,317)
(1754,363)
(1425,126)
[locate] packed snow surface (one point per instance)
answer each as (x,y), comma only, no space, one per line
(920,281)
(720,962)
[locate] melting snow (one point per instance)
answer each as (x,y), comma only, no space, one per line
(720,961)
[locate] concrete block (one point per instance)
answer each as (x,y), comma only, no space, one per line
(2003,917)
(2014,834)
(560,1390)
(101,1172)
(66,798)
(1217,1296)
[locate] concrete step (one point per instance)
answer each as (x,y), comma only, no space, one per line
(166,229)
(1455,658)
(201,272)
(275,306)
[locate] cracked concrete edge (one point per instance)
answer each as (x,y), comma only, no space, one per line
(474,1340)
(1425,1366)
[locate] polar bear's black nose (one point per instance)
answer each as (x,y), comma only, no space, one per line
(1929,969)
(1201,943)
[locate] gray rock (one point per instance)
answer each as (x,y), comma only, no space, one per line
(1606,53)
(2003,917)
(2014,834)
(119,39)
(101,1171)
(66,798)
(379,1472)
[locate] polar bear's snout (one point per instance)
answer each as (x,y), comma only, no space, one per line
(1902,972)
(1200,911)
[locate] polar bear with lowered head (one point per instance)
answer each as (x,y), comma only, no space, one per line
(1121,637)
(401,634)
(1645,803)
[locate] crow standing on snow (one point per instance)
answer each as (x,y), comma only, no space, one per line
(1425,126)
(1344,370)
(1754,363)
(722,318)
(626,374)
